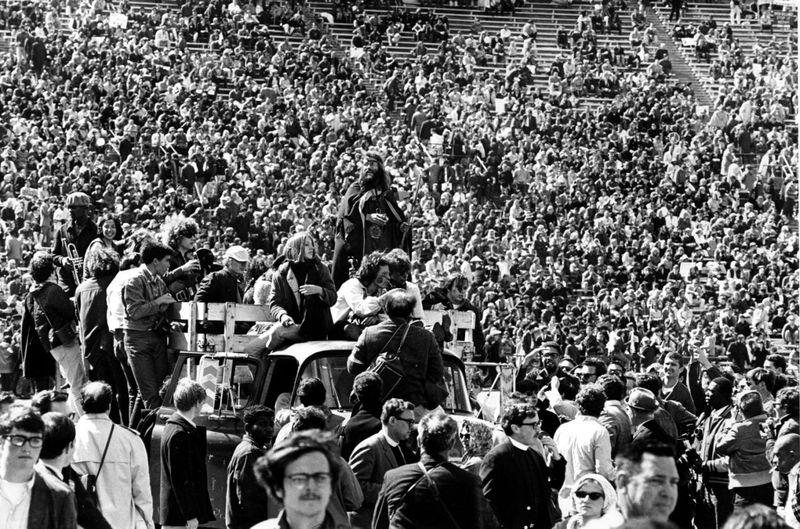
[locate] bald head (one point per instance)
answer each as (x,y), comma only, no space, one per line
(786,452)
(96,397)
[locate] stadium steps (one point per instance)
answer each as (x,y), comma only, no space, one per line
(681,69)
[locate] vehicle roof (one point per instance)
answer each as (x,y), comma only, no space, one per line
(303,350)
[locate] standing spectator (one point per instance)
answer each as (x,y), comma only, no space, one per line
(762,381)
(369,219)
(49,326)
(672,388)
(97,340)
(246,505)
(145,324)
(419,354)
(585,443)
(80,231)
(39,502)
(58,446)
(366,421)
(226,285)
(643,406)
(614,417)
(786,460)
(742,442)
(123,482)
(590,498)
(453,296)
(433,493)
(714,471)
(184,500)
(299,472)
(379,453)
(476,438)
(646,483)
(516,478)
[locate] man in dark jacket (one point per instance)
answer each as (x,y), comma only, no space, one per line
(423,382)
(433,493)
(226,285)
(246,504)
(54,461)
(80,231)
(367,391)
(48,325)
(184,485)
(517,479)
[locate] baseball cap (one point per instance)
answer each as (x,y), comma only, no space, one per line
(642,399)
(78,199)
(237,253)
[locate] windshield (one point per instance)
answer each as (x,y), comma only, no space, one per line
(331,369)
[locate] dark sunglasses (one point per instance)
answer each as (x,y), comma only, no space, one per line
(594,496)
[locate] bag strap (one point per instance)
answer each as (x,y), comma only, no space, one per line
(389,341)
(438,496)
(105,451)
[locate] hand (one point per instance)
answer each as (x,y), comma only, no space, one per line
(377,218)
(702,357)
(165,299)
(310,290)
(550,446)
(192,524)
(554,383)
(287,320)
(191,267)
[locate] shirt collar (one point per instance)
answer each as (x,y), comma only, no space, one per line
(58,472)
(517,444)
(391,441)
(187,418)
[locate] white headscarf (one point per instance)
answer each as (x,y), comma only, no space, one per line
(609,493)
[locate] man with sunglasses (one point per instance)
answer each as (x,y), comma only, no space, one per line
(29,500)
(518,474)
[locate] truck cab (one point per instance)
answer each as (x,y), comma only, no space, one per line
(234,381)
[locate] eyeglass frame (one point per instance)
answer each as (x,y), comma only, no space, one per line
(300,480)
(25,440)
(410,422)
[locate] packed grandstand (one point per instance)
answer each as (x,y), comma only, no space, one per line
(606,176)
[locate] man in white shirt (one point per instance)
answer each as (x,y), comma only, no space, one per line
(29,500)
(123,482)
(584,442)
(786,460)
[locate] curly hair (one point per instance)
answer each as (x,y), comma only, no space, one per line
(480,437)
(370,267)
(591,400)
(175,230)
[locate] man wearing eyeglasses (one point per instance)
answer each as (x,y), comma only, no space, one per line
(379,453)
(517,478)
(29,500)
(299,472)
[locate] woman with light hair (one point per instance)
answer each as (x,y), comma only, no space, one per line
(301,296)
(590,497)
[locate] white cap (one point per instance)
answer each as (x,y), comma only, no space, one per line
(238,253)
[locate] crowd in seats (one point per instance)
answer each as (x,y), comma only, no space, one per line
(594,228)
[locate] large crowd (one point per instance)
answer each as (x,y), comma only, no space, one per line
(633,252)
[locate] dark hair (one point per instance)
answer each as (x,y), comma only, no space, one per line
(117,225)
(42,266)
(44,400)
(674,356)
(590,400)
(367,389)
(271,468)
(311,392)
(789,398)
(96,397)
(633,456)
(516,413)
(455,279)
(370,266)
(568,386)
(778,361)
(23,418)
(253,414)
(649,381)
(398,261)
(308,419)
(186,227)
(751,404)
(188,393)
(598,364)
(759,374)
(154,251)
(104,263)
(755,516)
(725,387)
(613,387)
(393,408)
(59,432)
(399,303)
(437,431)
(256,268)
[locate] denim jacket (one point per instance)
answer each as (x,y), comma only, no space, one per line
(138,295)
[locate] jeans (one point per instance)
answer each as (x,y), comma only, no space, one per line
(147,354)
(107,369)
(134,401)
(70,362)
